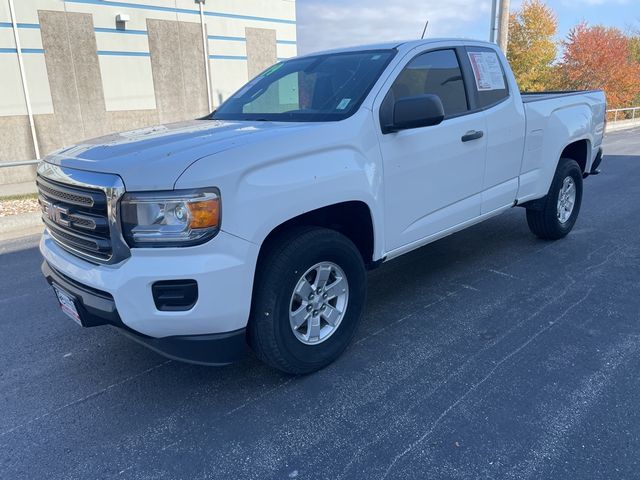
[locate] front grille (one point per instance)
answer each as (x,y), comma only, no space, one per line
(77,218)
(65,194)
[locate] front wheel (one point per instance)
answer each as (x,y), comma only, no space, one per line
(560,208)
(308,299)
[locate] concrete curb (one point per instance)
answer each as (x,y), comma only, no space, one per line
(622,125)
(16,226)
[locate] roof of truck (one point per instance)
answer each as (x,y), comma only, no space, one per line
(396,44)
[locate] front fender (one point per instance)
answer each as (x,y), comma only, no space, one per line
(265,184)
(269,195)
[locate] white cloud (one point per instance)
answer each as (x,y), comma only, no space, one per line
(326,24)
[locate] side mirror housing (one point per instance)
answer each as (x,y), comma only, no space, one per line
(416,112)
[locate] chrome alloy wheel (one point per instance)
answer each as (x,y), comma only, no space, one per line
(319,303)
(566,199)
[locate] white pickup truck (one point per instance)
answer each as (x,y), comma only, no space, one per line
(254,226)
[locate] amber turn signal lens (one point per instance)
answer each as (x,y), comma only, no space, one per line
(205,214)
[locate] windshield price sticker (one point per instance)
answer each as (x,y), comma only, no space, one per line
(486,70)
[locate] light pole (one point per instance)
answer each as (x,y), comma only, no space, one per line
(503,18)
(493,28)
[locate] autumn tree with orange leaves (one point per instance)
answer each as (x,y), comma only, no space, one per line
(594,57)
(532,48)
(601,58)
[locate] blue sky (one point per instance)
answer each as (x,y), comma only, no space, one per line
(324,24)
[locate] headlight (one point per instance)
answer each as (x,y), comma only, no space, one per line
(170,219)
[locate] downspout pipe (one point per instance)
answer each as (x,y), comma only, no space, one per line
(205,50)
(23,77)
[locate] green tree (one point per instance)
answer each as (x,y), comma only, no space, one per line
(532,49)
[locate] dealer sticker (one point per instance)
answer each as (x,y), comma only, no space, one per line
(487,71)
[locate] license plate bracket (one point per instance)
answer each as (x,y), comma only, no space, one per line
(68,304)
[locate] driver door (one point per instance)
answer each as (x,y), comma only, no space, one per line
(433,176)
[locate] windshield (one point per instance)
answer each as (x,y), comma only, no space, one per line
(310,89)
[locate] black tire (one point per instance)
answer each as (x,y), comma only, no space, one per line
(543,220)
(282,264)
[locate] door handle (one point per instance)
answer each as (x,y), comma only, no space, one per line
(472,135)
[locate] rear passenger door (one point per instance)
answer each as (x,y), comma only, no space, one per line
(505,125)
(432,175)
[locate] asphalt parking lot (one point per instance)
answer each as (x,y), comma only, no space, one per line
(489,354)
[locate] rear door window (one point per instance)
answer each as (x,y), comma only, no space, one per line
(490,82)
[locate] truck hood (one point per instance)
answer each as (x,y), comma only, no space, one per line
(153,158)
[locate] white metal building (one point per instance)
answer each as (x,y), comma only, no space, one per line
(96,66)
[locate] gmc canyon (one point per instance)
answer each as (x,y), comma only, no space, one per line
(254,226)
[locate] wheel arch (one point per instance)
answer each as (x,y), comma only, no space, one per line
(580,151)
(352,218)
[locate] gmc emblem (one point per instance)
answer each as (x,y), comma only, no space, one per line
(55,213)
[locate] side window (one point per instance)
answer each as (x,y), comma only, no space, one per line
(436,72)
(490,80)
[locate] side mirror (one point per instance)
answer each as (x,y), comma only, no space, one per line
(415,112)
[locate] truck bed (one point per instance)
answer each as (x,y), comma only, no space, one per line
(555,120)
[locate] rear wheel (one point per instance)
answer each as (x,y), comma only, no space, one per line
(308,299)
(557,214)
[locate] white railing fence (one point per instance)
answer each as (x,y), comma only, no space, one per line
(621,114)
(21,163)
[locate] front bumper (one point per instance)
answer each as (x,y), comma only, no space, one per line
(98,308)
(223,269)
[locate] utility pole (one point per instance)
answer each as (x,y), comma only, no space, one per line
(503,18)
(493,27)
